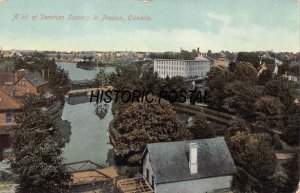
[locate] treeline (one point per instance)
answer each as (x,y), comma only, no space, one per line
(183,55)
(263,105)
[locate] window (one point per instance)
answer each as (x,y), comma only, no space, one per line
(8,118)
(147,175)
(152,182)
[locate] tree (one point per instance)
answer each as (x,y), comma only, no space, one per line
(141,123)
(283,89)
(90,58)
(59,82)
(293,173)
(175,83)
(150,81)
(250,57)
(217,77)
(124,78)
(244,71)
(58,56)
(235,125)
(232,66)
(268,111)
(291,126)
(254,158)
(200,128)
(37,152)
(240,98)
(264,77)
(101,77)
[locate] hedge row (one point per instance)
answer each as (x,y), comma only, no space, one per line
(205,110)
(208,116)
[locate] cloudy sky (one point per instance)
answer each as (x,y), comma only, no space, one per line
(233,25)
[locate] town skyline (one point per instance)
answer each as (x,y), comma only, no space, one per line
(224,25)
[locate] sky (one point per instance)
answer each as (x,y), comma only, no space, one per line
(232,25)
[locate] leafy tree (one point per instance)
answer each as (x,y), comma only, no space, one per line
(37,152)
(59,82)
(291,126)
(141,123)
(232,66)
(293,173)
(124,78)
(295,70)
(250,57)
(101,77)
(264,77)
(244,71)
(90,58)
(268,112)
(175,83)
(280,181)
(217,77)
(200,128)
(254,157)
(237,124)
(150,81)
(283,89)
(240,98)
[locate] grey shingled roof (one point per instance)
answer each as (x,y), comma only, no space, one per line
(35,79)
(170,160)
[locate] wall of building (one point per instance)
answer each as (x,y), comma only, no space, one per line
(23,86)
(3,125)
(185,68)
(195,186)
(147,165)
(5,132)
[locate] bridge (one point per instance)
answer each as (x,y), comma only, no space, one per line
(87,91)
(76,84)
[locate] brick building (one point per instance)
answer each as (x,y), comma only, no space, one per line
(9,106)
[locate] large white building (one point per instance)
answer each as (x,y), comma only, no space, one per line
(186,68)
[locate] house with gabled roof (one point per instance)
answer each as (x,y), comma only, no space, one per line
(33,83)
(273,68)
(194,166)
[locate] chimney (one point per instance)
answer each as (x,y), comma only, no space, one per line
(198,50)
(193,151)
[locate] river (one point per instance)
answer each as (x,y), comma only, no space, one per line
(89,138)
(80,74)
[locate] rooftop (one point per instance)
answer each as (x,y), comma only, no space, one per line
(7,102)
(170,160)
(36,79)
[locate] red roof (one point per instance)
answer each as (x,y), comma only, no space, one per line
(8,103)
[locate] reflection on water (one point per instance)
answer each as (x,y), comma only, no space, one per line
(89,139)
(101,109)
(80,74)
